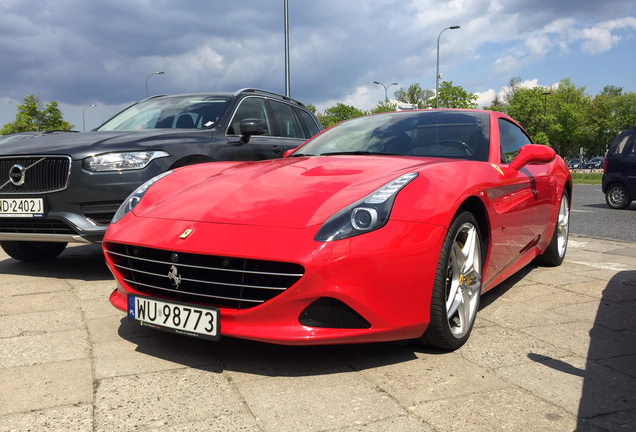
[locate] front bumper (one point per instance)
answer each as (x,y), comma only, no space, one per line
(385,276)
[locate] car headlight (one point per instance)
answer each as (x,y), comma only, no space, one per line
(365,215)
(122,161)
(134,198)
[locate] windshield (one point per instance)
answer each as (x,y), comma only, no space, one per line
(449,134)
(169,113)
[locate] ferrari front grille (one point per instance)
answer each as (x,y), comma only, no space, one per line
(235,283)
(34,174)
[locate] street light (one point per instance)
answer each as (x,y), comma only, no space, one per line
(545,101)
(84,121)
(154,73)
(437,76)
(386,98)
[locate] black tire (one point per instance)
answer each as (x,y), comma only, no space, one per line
(451,333)
(555,252)
(617,197)
(32,251)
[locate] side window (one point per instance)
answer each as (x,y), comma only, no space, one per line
(288,125)
(307,121)
(511,139)
(632,152)
(622,144)
(250,107)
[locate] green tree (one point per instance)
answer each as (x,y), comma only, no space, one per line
(339,113)
(383,106)
(568,107)
(625,111)
(528,108)
(311,108)
(451,96)
(32,115)
(600,121)
(496,105)
(414,94)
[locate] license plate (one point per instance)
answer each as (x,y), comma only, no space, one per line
(21,207)
(175,317)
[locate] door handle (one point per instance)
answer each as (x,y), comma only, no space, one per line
(276,149)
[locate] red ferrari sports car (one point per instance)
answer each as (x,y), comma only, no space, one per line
(385,227)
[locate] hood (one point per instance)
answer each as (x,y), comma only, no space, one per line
(84,144)
(290,192)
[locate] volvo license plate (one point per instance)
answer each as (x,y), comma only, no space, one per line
(174,317)
(21,207)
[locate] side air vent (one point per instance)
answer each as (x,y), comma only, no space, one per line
(328,312)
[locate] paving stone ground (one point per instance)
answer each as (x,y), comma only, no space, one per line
(553,349)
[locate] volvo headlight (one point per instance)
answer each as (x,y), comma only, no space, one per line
(134,198)
(122,161)
(365,215)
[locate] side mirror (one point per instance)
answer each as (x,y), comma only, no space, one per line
(252,126)
(533,154)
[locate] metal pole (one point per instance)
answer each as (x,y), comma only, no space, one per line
(287,91)
(154,73)
(437,74)
(83,120)
(386,97)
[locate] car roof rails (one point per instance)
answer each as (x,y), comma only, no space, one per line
(254,90)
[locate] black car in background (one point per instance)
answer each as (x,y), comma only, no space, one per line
(577,164)
(596,162)
(66,187)
(619,173)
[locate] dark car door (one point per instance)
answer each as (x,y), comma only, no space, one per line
(266,146)
(629,167)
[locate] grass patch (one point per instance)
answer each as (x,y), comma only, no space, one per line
(587,178)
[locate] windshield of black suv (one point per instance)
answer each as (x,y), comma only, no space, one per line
(177,112)
(449,134)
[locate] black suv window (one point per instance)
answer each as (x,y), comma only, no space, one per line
(251,107)
(288,125)
(169,112)
(308,122)
(511,139)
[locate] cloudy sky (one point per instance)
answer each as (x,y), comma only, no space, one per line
(82,52)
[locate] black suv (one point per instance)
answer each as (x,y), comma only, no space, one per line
(619,172)
(67,187)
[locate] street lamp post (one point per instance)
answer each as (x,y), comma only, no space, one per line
(386,97)
(83,120)
(154,73)
(437,75)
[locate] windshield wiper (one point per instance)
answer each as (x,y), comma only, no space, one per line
(301,155)
(360,152)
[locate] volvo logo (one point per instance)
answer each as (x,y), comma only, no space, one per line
(16,175)
(173,275)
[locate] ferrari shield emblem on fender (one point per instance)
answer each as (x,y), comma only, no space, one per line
(497,168)
(186,233)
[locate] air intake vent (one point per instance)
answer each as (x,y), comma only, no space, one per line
(328,312)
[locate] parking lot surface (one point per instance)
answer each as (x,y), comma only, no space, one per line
(553,349)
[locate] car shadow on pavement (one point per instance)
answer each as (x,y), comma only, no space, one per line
(608,399)
(264,359)
(85,262)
